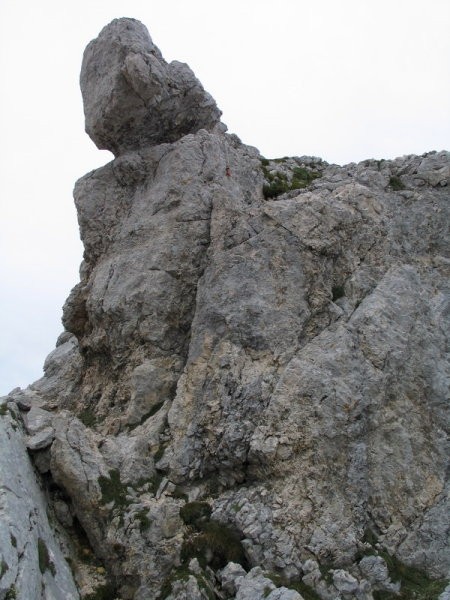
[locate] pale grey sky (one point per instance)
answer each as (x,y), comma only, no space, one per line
(340,79)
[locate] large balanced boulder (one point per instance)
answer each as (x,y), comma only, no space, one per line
(133,97)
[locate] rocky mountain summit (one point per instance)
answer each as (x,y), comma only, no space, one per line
(250,399)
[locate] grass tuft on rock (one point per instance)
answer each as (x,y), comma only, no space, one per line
(194,513)
(177,574)
(113,489)
(45,564)
(415,583)
(11,594)
(281,182)
(88,417)
(212,543)
(307,592)
(396,183)
(144,521)
(3,568)
(102,592)
(216,545)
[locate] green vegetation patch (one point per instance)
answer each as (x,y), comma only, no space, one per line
(11,594)
(195,513)
(177,574)
(203,585)
(182,574)
(279,182)
(396,183)
(159,453)
(179,493)
(216,545)
(3,568)
(338,291)
(325,571)
(415,584)
(370,537)
(154,482)
(113,489)
(45,564)
(304,590)
(88,417)
(103,592)
(211,542)
(3,409)
(144,521)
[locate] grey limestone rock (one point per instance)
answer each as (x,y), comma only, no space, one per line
(37,419)
(445,594)
(40,440)
(375,570)
(187,590)
(229,575)
(253,585)
(39,425)
(284,593)
(277,353)
(133,98)
(256,586)
(32,560)
(349,587)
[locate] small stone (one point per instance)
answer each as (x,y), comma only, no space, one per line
(344,582)
(37,419)
(24,403)
(63,513)
(40,440)
(229,575)
(161,488)
(283,593)
(194,567)
(375,570)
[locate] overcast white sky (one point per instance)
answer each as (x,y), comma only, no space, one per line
(340,79)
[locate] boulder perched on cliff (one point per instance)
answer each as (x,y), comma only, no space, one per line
(133,98)
(250,399)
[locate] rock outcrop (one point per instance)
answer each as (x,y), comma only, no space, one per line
(32,550)
(133,98)
(251,396)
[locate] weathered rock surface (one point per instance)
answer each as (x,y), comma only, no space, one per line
(133,98)
(32,561)
(255,364)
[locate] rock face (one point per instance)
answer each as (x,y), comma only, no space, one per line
(250,399)
(32,558)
